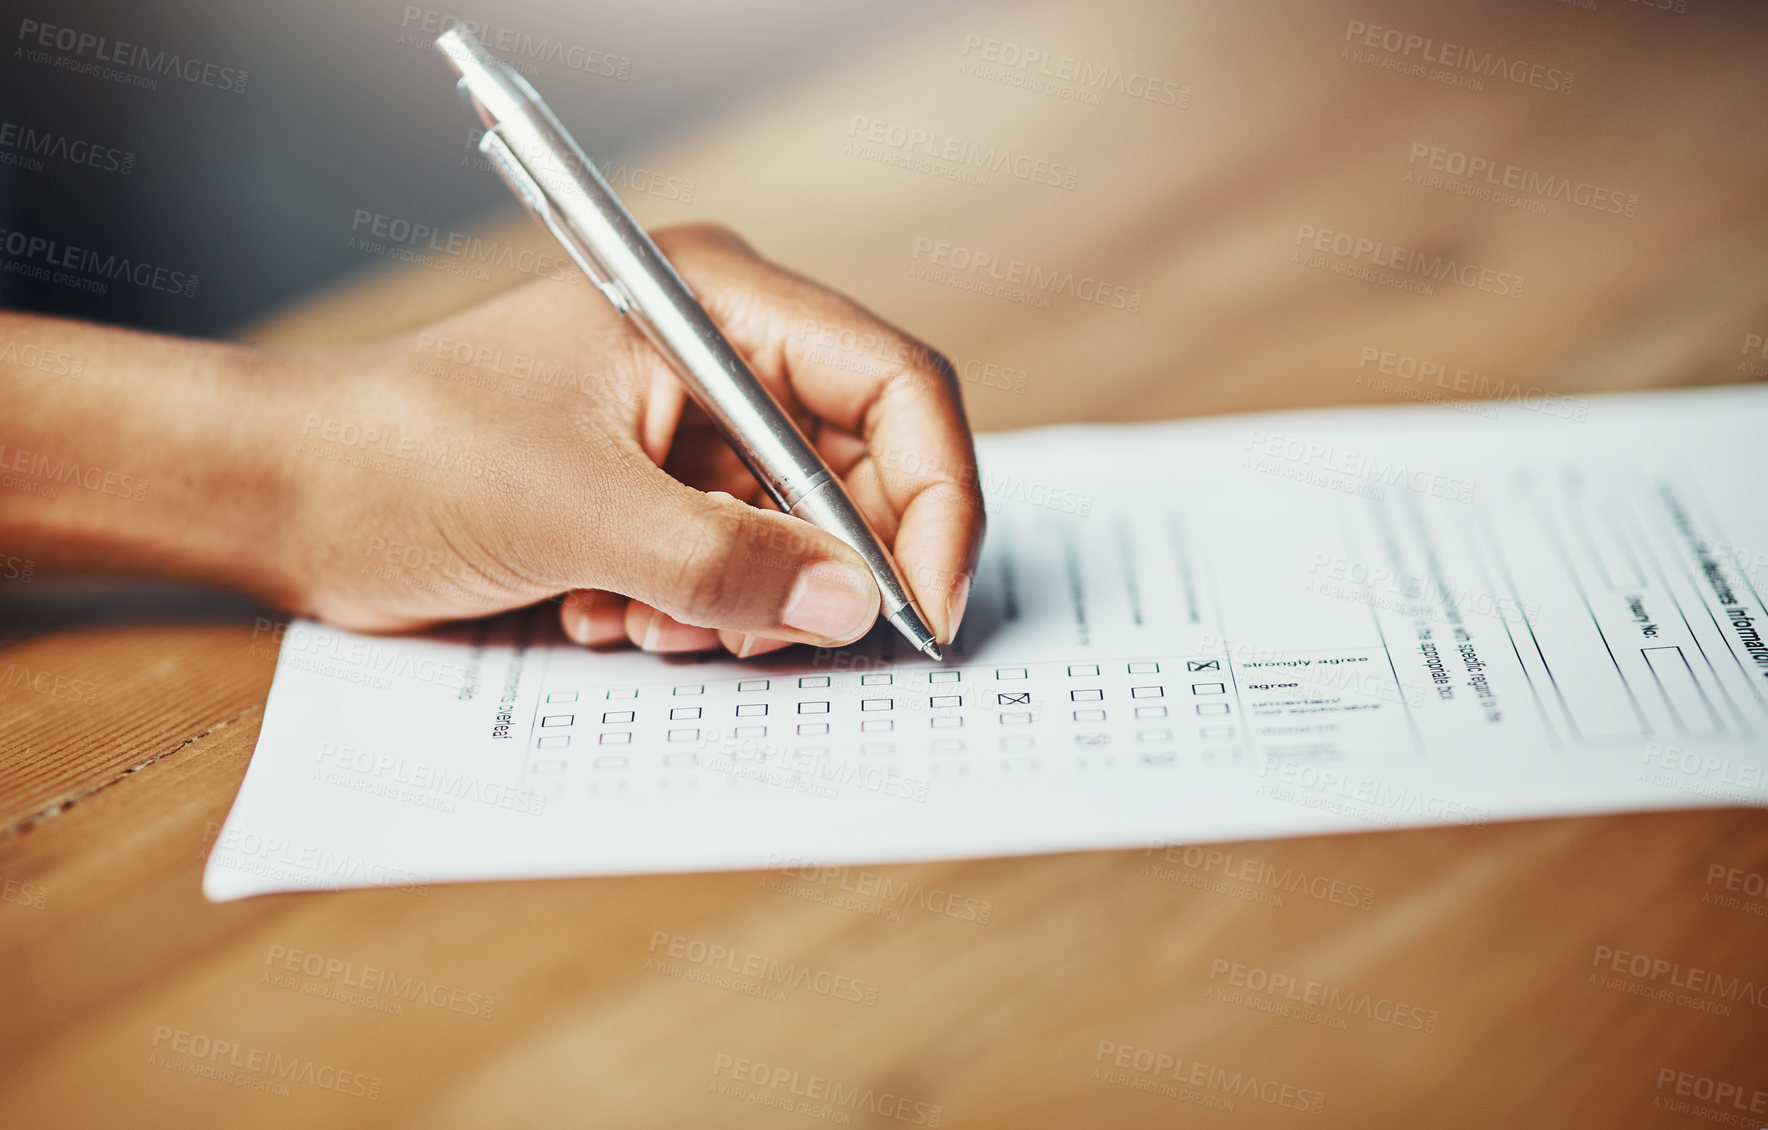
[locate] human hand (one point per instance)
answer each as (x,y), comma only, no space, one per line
(436,481)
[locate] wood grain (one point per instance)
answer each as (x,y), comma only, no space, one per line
(110,805)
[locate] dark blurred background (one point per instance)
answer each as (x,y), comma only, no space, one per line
(247,165)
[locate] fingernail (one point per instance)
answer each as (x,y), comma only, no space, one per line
(653,630)
(575,620)
(955,603)
(830,601)
(759,646)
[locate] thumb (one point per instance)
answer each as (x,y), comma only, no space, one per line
(714,562)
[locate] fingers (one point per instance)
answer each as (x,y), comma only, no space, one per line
(655,630)
(599,619)
(913,464)
(695,564)
(663,409)
(594,619)
(745,646)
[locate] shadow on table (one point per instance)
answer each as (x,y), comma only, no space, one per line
(60,604)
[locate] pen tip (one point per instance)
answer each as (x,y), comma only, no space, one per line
(907,620)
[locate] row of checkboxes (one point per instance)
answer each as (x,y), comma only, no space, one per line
(888,678)
(884,725)
(693,733)
(1018,763)
(870,705)
(745,686)
(822,706)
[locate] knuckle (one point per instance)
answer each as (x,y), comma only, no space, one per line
(942,370)
(705,232)
(926,369)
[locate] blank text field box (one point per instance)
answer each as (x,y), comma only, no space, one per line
(1687,700)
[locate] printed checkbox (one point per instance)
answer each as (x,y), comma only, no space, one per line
(1018,741)
(1214,733)
(612,716)
(1087,694)
(562,696)
(1092,739)
(1155,734)
(876,703)
(876,679)
(1147,692)
(946,745)
(813,680)
(749,731)
(1145,667)
(1019,766)
(1209,688)
(1015,717)
(1150,712)
(1158,760)
(943,676)
(623,692)
(554,741)
(684,735)
(877,725)
(813,708)
(1092,715)
(1212,708)
(811,729)
(559,720)
(687,689)
(1082,670)
(611,761)
(684,713)
(947,721)
(1203,665)
(751,710)
(748,685)
(877,749)
(680,760)
(546,767)
(1012,673)
(948,769)
(942,701)
(1013,698)
(615,737)
(1094,762)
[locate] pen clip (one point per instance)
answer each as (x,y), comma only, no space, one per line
(539,205)
(474,110)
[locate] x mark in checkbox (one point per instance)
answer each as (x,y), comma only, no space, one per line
(1014,698)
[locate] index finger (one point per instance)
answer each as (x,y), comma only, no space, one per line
(908,458)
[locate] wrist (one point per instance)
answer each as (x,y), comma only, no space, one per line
(155,461)
(247,474)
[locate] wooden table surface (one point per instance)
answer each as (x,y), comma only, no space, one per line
(1089,983)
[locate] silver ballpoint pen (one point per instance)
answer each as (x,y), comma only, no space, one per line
(562,189)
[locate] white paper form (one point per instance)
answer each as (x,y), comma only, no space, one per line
(1217,629)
